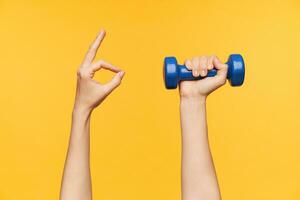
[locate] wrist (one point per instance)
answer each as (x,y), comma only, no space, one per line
(199,99)
(81,111)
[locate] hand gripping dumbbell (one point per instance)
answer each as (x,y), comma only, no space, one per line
(174,73)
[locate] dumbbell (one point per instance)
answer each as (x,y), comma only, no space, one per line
(174,73)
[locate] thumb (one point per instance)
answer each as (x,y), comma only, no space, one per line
(221,67)
(221,71)
(114,82)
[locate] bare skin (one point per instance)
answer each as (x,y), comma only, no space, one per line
(76,181)
(199,181)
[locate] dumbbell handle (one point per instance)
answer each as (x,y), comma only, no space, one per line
(185,74)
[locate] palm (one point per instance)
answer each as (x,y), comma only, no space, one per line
(200,87)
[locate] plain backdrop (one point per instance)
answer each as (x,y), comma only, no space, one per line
(135,150)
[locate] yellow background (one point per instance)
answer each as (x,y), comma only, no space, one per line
(254,130)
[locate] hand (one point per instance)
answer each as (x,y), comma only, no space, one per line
(200,66)
(90,93)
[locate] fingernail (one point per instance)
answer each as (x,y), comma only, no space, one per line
(203,73)
(196,73)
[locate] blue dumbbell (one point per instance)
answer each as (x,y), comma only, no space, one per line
(174,73)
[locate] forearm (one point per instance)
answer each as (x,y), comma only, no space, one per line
(76,183)
(198,174)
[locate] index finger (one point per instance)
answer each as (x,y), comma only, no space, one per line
(90,55)
(105,65)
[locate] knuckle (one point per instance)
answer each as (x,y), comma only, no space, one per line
(203,67)
(81,73)
(118,80)
(196,67)
(195,61)
(91,47)
(187,62)
(105,89)
(223,81)
(118,83)
(203,58)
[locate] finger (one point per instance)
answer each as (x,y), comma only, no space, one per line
(203,65)
(114,82)
(105,65)
(188,64)
(221,71)
(91,53)
(221,67)
(210,64)
(195,67)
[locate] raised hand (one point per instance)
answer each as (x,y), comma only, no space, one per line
(90,93)
(199,66)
